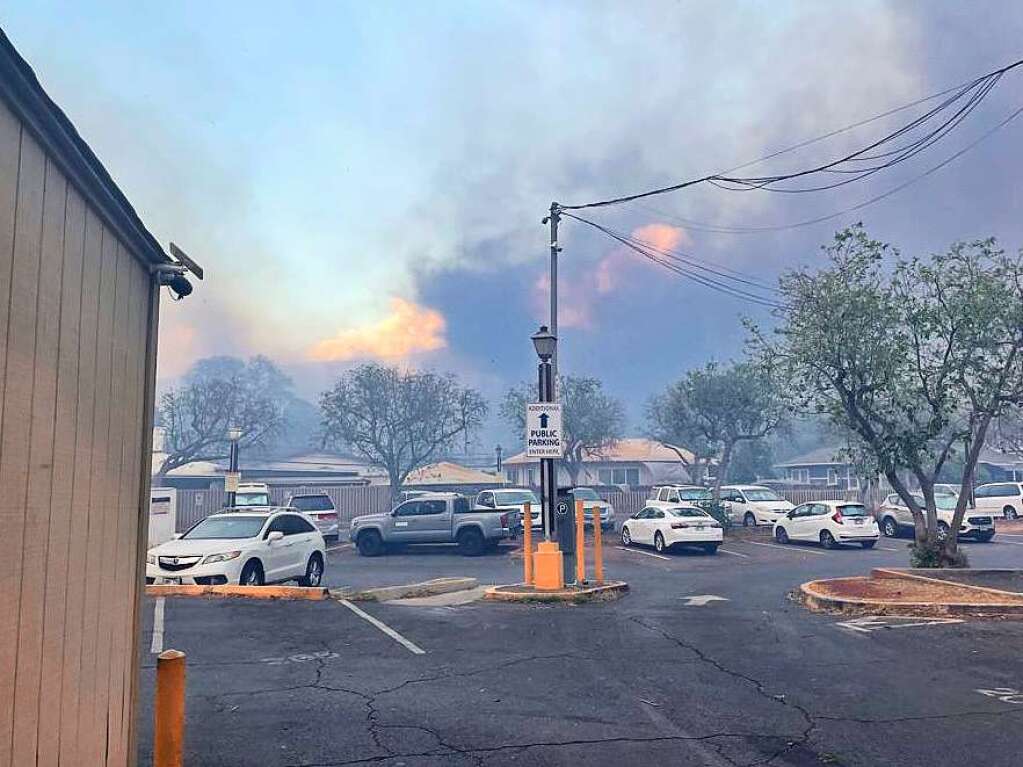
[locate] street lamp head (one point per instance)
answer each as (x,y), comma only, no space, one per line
(234,434)
(544,342)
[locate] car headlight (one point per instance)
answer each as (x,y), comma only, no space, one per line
(227,555)
(150,559)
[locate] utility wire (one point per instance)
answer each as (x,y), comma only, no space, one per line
(715,279)
(973,92)
(725,229)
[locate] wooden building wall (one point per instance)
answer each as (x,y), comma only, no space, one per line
(76,307)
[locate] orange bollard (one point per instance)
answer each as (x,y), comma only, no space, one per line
(549,573)
(169,712)
(598,551)
(527,544)
(580,543)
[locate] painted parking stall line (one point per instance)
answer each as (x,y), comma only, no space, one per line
(156,646)
(645,553)
(793,549)
(733,553)
(409,645)
(871,623)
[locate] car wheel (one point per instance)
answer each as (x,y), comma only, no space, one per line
(626,537)
(890,527)
(710,548)
(369,543)
(313,571)
(659,542)
(252,574)
(1010,513)
(749,520)
(780,535)
(470,542)
(828,540)
(868,544)
(942,531)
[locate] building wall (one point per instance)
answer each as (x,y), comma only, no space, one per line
(76,310)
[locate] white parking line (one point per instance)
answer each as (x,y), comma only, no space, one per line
(799,550)
(885,548)
(647,553)
(1011,543)
(157,645)
(339,547)
(408,645)
(733,553)
(1012,535)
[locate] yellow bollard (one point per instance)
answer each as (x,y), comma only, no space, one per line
(580,544)
(169,712)
(549,573)
(527,544)
(598,551)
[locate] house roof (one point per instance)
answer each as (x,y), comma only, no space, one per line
(449,473)
(25,96)
(826,456)
(1002,460)
(627,450)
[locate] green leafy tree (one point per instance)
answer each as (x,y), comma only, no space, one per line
(397,419)
(914,359)
(592,420)
(713,409)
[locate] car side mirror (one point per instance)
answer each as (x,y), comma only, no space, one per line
(791,514)
(276,535)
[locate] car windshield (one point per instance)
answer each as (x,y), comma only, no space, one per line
(224,526)
(509,497)
(853,510)
(945,502)
(685,511)
(585,494)
(252,499)
(312,503)
(694,494)
(762,495)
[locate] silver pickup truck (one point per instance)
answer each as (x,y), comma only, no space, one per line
(434,518)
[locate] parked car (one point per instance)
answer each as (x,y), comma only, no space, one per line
(251,494)
(434,518)
(667,496)
(1005,498)
(250,547)
(946,489)
(753,504)
(320,509)
(830,523)
(511,499)
(664,527)
(594,504)
(896,517)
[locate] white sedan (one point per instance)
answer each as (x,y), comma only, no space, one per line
(249,547)
(663,528)
(829,523)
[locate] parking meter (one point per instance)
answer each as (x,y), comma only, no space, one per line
(564,517)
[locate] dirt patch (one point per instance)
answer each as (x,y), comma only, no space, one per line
(897,591)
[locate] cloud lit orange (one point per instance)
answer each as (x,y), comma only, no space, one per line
(407,329)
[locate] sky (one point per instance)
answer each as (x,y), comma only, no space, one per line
(366,181)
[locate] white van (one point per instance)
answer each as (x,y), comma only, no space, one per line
(1004,498)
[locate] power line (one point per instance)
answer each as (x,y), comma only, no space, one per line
(972,93)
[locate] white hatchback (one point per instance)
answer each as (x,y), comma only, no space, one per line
(248,547)
(829,523)
(663,528)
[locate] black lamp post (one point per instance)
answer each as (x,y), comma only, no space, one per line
(545,344)
(234,434)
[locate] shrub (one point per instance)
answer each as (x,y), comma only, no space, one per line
(936,555)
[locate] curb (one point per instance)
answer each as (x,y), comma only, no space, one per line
(916,574)
(411,590)
(516,592)
(815,600)
(306,593)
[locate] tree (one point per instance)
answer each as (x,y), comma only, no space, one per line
(753,460)
(399,420)
(218,393)
(713,409)
(914,360)
(592,420)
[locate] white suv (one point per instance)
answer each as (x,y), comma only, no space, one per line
(248,547)
(1002,498)
(753,505)
(669,496)
(895,517)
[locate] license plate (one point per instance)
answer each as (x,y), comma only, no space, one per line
(172,581)
(699,527)
(859,521)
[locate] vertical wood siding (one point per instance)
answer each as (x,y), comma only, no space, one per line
(74,316)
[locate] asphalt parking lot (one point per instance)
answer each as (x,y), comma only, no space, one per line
(704,662)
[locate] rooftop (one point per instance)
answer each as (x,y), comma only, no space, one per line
(820,456)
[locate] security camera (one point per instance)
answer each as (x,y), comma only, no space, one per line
(173,276)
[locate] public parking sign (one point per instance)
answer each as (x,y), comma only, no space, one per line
(543,430)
